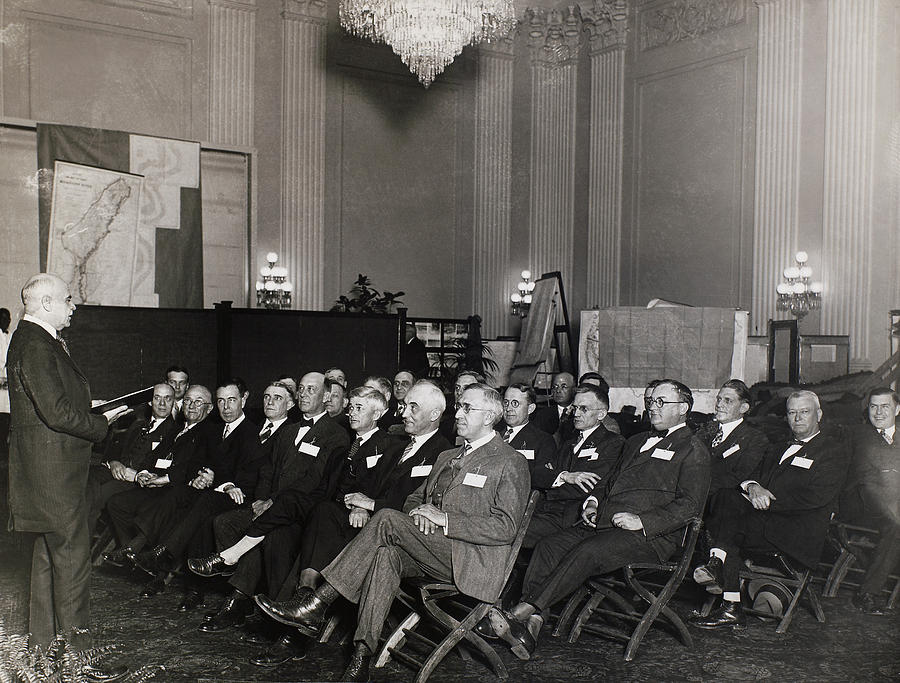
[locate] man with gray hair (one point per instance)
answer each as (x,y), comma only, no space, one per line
(785,508)
(460,527)
(49,460)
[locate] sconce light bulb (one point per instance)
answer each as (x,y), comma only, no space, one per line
(526,299)
(805,271)
(802,257)
(799,288)
(515,298)
(816,287)
(792,272)
(272,257)
(784,288)
(287,287)
(526,274)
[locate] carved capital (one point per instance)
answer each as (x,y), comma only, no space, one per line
(554,35)
(502,47)
(688,19)
(243,5)
(606,23)
(308,9)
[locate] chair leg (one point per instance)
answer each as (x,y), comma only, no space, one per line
(397,638)
(815,604)
(584,616)
(838,573)
(893,597)
(568,613)
(463,630)
(785,622)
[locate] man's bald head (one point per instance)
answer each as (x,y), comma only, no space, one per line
(46,297)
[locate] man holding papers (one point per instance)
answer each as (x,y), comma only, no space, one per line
(785,508)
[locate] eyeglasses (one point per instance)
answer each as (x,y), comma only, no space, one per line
(195,402)
(466,408)
(658,402)
(514,403)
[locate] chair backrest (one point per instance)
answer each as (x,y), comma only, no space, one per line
(689,542)
(520,534)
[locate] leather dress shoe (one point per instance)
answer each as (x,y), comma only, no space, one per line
(289,646)
(484,629)
(865,602)
(514,633)
(305,612)
(358,668)
(262,632)
(154,560)
(120,557)
(729,615)
(232,613)
(190,600)
(154,586)
(709,575)
(212,565)
(95,673)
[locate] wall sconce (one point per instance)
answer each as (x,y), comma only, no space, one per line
(274,291)
(798,295)
(521,300)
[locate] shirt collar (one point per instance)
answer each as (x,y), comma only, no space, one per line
(674,429)
(368,435)
(586,433)
(516,430)
(234,425)
(52,331)
(316,418)
(728,427)
(890,431)
(275,423)
(478,443)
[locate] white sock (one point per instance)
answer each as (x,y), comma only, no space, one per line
(731,596)
(238,550)
(718,552)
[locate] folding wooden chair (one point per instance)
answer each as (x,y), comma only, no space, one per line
(442,605)
(853,544)
(621,619)
(780,569)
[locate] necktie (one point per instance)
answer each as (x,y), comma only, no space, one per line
(408,449)
(507,435)
(886,436)
(401,406)
(265,433)
(719,437)
(63,344)
(147,430)
(354,447)
(227,430)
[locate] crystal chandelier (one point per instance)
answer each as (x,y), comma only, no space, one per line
(428,34)
(797,294)
(521,300)
(274,290)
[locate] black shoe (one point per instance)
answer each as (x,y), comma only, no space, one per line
(154,586)
(865,602)
(306,612)
(288,647)
(709,575)
(514,633)
(232,613)
(120,557)
(192,599)
(95,673)
(154,561)
(212,565)
(358,668)
(729,615)
(484,629)
(264,632)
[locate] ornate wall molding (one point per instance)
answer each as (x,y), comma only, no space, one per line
(310,9)
(493,180)
(606,23)
(687,19)
(850,65)
(554,35)
(303,152)
(232,60)
(776,201)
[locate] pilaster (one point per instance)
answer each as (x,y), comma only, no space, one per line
(232,55)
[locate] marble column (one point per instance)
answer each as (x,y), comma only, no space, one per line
(777,153)
(606,22)
(848,202)
(232,54)
(554,37)
(303,149)
(493,173)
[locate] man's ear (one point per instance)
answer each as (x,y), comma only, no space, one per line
(683,408)
(745,407)
(531,408)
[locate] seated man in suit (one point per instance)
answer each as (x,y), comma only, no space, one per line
(403,382)
(135,452)
(535,445)
(296,476)
(871,497)
(178,378)
(180,465)
(785,508)
(460,528)
(336,403)
(597,379)
(556,418)
(578,467)
(637,514)
(737,448)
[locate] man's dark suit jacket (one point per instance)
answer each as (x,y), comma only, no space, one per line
(599,454)
(547,419)
(872,491)
(392,481)
(415,358)
(188,452)
(51,432)
(805,496)
(737,457)
(536,446)
(664,493)
(290,469)
(237,458)
(136,445)
(354,474)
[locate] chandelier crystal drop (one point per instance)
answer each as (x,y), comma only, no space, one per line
(428,34)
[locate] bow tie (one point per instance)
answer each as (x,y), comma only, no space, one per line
(796,442)
(659,432)
(305,422)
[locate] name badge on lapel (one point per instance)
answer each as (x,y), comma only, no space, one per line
(154,444)
(731,451)
(529,455)
(162,464)
(800,461)
(476,480)
(309,449)
(662,454)
(372,460)
(589,453)
(420,471)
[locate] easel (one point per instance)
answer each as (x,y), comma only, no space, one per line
(547,326)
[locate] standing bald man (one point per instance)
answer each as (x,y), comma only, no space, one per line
(50,450)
